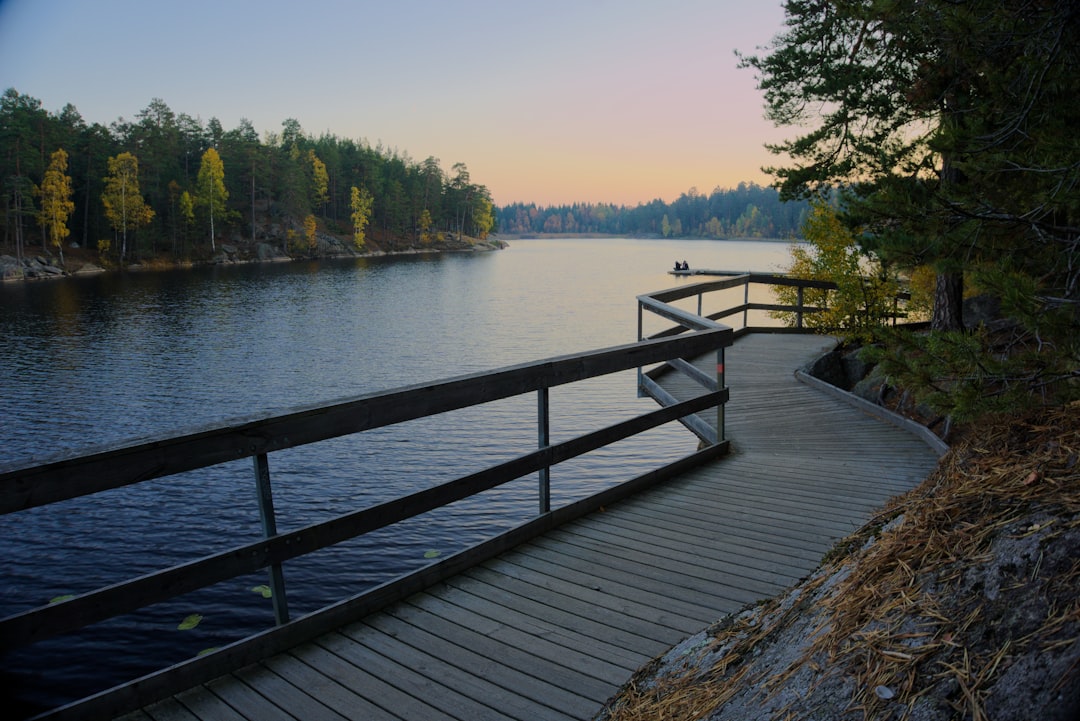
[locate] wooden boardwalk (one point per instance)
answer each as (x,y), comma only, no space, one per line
(553,628)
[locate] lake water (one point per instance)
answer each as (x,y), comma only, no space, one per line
(96,360)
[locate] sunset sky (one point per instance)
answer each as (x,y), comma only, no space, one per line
(552,102)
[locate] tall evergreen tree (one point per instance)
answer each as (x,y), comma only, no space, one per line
(944,123)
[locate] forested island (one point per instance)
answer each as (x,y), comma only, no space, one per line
(746,211)
(167,187)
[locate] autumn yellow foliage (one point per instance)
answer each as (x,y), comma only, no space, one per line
(865,295)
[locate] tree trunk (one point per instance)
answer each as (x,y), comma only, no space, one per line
(948,302)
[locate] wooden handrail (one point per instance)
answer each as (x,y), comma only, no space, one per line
(73,476)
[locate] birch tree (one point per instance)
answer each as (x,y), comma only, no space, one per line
(210,192)
(125,207)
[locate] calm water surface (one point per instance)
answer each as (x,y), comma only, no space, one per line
(92,361)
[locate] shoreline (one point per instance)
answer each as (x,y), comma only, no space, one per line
(42,267)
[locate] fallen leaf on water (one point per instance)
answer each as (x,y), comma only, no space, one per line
(190,622)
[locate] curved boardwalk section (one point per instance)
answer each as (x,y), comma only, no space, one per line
(553,628)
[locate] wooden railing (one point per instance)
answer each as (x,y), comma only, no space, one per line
(258,438)
(660,304)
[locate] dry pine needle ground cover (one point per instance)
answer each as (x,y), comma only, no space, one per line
(961,600)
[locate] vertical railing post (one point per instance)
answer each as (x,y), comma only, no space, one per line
(543,428)
(799,312)
(720,386)
(640,337)
(699,306)
(746,302)
(269,526)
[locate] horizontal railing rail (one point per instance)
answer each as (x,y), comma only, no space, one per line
(54,480)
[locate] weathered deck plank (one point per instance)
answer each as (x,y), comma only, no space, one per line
(551,629)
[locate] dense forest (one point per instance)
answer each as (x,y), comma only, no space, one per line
(167,183)
(747,211)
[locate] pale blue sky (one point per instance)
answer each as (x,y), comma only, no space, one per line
(554,102)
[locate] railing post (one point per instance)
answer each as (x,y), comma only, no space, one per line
(799,303)
(543,428)
(746,302)
(699,297)
(269,526)
(720,386)
(640,337)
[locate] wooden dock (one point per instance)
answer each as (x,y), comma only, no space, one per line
(551,629)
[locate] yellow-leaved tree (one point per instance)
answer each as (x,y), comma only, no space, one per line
(125,207)
(319,180)
(210,192)
(361,203)
(483,216)
(864,298)
(56,203)
(426,236)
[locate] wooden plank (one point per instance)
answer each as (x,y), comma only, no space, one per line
(690,574)
(588,624)
(338,657)
(579,582)
(463,692)
(731,554)
(489,603)
(568,654)
(377,642)
(762,547)
(206,706)
(542,682)
(651,638)
(169,710)
(293,700)
(637,579)
(246,700)
(330,691)
(721,523)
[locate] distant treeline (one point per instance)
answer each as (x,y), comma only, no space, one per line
(277,185)
(747,211)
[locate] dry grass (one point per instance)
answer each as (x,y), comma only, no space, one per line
(931,607)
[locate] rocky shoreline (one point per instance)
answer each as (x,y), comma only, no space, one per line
(45,267)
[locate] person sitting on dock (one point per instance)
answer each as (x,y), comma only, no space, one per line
(678,265)
(685,266)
